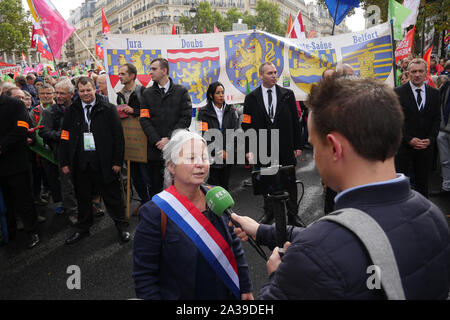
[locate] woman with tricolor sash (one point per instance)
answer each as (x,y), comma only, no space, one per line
(182,250)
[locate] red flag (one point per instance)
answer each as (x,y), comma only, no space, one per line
(105,25)
(174,31)
(99,49)
(44,49)
(56,29)
(298,30)
(216,30)
(37,31)
(427,57)
(405,47)
(289,26)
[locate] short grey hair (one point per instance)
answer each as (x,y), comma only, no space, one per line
(418,61)
(261,67)
(171,151)
(66,83)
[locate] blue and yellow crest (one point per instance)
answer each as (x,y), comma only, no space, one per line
(141,59)
(371,59)
(194,69)
(306,67)
(245,53)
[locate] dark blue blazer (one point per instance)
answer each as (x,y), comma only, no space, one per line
(327,261)
(167,269)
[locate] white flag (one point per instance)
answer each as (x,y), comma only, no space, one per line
(412,5)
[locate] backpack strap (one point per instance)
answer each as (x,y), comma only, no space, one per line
(377,244)
(163,224)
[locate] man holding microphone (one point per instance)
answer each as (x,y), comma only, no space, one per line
(355,126)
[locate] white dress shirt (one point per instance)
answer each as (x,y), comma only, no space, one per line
(166,87)
(266,99)
(423,94)
(83,104)
(219,113)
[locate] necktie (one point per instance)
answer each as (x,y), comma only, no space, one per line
(419,98)
(88,112)
(163,90)
(269,94)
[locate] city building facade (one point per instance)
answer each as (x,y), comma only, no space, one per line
(148,17)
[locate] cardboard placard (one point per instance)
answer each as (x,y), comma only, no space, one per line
(135,140)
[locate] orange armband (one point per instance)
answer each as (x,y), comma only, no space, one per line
(204,126)
(145,113)
(65,135)
(23,124)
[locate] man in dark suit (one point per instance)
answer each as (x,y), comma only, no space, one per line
(15,175)
(420,104)
(166,106)
(93,147)
(272,107)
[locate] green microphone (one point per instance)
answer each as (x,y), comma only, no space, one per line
(219,201)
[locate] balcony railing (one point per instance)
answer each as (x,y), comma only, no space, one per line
(155,20)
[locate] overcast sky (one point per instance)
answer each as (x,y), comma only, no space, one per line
(355,23)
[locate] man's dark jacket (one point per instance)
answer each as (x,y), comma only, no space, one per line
(13,136)
(420,124)
(328,261)
(133,101)
(166,114)
(286,121)
(52,119)
(444,92)
(108,136)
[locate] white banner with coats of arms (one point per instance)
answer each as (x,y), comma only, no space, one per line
(233,58)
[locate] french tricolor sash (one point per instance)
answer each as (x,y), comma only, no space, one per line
(208,240)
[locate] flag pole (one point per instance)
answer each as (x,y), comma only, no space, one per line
(85,46)
(335,15)
(394,65)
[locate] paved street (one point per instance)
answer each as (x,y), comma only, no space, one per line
(106,265)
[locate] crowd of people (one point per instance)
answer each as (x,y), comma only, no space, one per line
(373,147)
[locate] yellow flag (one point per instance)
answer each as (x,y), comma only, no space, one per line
(33,11)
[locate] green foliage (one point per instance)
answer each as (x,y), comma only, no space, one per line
(267,19)
(440,9)
(204,19)
(15,28)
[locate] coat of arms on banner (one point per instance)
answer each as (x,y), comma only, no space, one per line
(371,59)
(194,69)
(306,67)
(245,53)
(141,59)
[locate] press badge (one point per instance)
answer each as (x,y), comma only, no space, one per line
(89,143)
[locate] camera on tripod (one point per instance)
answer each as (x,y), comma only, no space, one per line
(273,180)
(273,183)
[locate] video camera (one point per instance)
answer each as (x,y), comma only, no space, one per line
(272,180)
